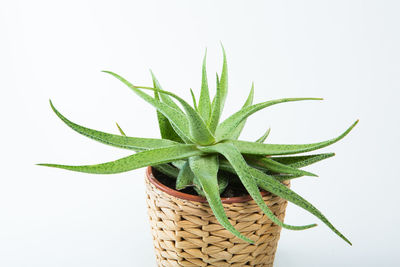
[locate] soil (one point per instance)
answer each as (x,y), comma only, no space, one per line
(234,189)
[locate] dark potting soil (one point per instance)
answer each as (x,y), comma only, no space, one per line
(234,188)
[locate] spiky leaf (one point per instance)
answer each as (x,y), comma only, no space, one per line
(284,177)
(165,98)
(234,157)
(275,149)
(135,161)
(223,82)
(133,143)
(226,166)
(205,169)
(120,129)
(302,161)
(264,136)
(220,96)
(249,102)
(216,109)
(185,177)
(194,100)
(276,166)
(204,100)
(176,118)
(269,184)
(199,131)
(167,130)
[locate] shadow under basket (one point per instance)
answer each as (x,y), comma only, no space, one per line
(186,232)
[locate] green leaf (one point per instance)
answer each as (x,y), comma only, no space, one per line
(197,187)
(241,168)
(216,86)
(220,96)
(204,100)
(249,102)
(302,161)
(250,97)
(269,184)
(165,98)
(224,165)
(120,129)
(205,168)
(166,128)
(264,136)
(193,99)
(216,109)
(185,177)
(223,82)
(275,149)
(282,178)
(178,163)
(198,129)
(135,161)
(227,127)
(167,169)
(264,181)
(178,120)
(275,166)
(223,182)
(133,143)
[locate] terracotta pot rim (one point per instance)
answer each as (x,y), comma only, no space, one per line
(227,200)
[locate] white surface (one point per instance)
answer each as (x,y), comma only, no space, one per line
(344,51)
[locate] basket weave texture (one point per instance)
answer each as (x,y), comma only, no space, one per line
(186,233)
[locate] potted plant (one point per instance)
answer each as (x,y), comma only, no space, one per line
(213,200)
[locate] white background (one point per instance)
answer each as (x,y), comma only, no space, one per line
(344,51)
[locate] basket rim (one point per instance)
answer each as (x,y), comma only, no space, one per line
(227,200)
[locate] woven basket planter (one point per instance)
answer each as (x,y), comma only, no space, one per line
(186,232)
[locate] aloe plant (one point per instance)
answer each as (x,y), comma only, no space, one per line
(199,151)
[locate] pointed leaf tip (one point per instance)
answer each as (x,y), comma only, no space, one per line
(193,99)
(278,149)
(120,129)
(222,46)
(352,126)
(264,136)
(204,104)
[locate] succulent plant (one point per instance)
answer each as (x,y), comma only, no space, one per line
(199,151)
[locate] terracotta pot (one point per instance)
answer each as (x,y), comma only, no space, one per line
(186,232)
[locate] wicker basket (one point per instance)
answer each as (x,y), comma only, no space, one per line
(186,233)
